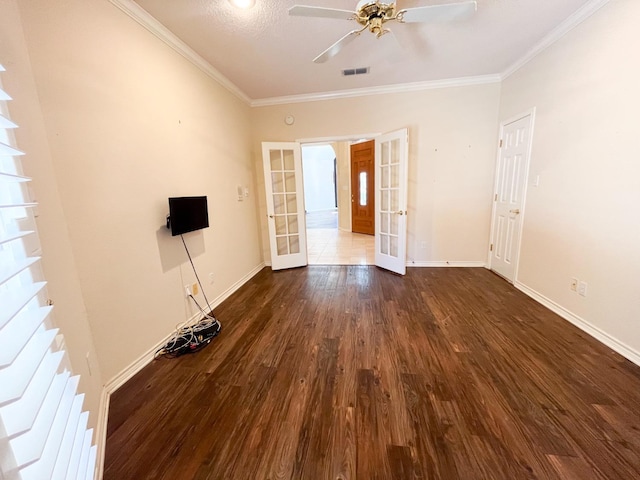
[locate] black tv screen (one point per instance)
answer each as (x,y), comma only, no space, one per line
(187,214)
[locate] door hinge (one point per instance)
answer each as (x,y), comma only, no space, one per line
(491,248)
(495,199)
(500,143)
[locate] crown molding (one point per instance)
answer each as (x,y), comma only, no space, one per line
(381,90)
(137,13)
(556,34)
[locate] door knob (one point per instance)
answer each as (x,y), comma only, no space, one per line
(400,212)
(516,211)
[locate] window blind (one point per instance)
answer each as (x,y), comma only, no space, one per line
(43,430)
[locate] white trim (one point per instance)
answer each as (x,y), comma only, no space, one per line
(380,90)
(446,263)
(556,34)
(101,433)
(141,16)
(600,335)
(141,362)
(339,138)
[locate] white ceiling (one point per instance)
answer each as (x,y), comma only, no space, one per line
(267,54)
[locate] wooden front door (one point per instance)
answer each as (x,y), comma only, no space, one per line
(362,184)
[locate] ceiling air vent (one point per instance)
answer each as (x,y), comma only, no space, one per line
(355,71)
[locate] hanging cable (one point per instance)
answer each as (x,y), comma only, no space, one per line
(192,337)
(194,270)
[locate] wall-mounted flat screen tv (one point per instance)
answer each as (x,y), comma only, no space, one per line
(187,214)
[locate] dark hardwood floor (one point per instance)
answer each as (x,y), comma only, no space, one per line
(345,372)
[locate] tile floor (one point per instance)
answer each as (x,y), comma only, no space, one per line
(330,246)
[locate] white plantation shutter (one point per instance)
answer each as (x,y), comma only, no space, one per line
(43,431)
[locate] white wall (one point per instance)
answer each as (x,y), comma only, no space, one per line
(343,167)
(318,166)
(452,148)
(129,123)
(582,220)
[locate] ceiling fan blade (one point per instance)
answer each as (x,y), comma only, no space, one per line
(307,11)
(399,53)
(438,13)
(336,47)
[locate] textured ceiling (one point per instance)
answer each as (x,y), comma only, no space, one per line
(266,53)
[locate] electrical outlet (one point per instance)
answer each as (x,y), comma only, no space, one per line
(187,291)
(423,245)
(194,289)
(574,285)
(582,289)
(211,278)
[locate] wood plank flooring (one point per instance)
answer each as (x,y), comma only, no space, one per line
(350,372)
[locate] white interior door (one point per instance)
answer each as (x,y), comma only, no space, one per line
(285,204)
(511,182)
(391,160)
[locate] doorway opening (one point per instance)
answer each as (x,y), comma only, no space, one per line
(328,192)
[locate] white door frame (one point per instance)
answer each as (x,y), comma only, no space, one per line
(529,113)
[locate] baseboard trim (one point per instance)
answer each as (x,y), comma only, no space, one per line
(446,263)
(600,335)
(101,434)
(142,361)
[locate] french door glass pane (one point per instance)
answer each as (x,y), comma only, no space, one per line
(395,200)
(283,245)
(395,151)
(384,178)
(294,244)
(293,223)
(290,181)
(384,202)
(289,164)
(393,246)
(281,225)
(278,204)
(276,182)
(384,223)
(395,176)
(292,203)
(384,244)
(384,160)
(393,228)
(276,160)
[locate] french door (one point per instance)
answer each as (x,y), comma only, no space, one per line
(391,178)
(285,204)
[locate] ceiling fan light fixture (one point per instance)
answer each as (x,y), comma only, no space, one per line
(244,4)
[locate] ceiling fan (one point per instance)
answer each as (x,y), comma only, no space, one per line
(373,15)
